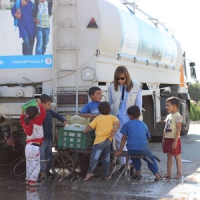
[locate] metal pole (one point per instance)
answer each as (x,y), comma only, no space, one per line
(184,63)
(54,77)
(76,25)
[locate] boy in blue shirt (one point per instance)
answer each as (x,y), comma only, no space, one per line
(46,148)
(136,133)
(91,109)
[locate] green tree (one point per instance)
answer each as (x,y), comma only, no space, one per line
(194,91)
(198,104)
(194,113)
(191,113)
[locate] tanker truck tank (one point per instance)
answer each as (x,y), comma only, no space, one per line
(118,34)
(137,36)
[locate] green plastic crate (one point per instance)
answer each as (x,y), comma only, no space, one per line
(75,139)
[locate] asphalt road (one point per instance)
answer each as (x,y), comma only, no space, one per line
(119,187)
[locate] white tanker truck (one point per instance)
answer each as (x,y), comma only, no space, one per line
(90,39)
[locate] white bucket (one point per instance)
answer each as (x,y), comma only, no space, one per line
(75,127)
(78,120)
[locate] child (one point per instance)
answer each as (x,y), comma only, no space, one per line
(171,141)
(42,14)
(91,109)
(32,125)
(136,133)
(46,148)
(106,126)
(22,11)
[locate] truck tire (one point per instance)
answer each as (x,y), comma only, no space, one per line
(185,127)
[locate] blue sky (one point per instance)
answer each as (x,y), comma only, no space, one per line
(183,17)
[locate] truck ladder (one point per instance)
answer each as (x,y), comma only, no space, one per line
(65,44)
(65,41)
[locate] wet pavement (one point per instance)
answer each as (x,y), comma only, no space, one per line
(120,187)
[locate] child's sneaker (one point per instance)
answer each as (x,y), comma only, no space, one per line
(32,183)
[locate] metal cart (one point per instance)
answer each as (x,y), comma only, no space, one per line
(74,149)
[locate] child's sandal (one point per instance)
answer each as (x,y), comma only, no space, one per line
(177,177)
(166,176)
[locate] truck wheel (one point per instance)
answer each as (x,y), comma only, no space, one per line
(185,127)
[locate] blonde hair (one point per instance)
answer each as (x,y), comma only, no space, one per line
(122,70)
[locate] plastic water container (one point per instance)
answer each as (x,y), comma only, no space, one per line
(78,120)
(75,127)
(32,102)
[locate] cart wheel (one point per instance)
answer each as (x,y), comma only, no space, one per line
(82,162)
(63,165)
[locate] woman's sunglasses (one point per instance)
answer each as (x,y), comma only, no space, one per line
(122,78)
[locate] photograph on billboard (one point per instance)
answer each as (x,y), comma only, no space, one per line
(26,34)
